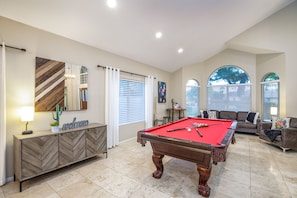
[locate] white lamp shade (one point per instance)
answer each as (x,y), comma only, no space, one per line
(27,113)
(273,110)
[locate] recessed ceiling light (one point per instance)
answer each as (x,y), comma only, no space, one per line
(111,3)
(180,50)
(158,34)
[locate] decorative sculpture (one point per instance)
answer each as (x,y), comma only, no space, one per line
(74,124)
(59,111)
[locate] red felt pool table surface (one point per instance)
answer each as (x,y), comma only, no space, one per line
(213,134)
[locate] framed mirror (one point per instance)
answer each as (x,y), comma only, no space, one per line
(60,83)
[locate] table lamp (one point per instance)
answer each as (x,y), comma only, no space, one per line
(27,115)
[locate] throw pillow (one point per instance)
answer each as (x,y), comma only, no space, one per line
(203,114)
(286,122)
(273,122)
(256,117)
(252,117)
(279,123)
(212,114)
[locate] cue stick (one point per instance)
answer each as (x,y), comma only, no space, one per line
(186,128)
(177,129)
(199,132)
(214,124)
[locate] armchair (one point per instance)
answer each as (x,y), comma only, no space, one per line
(287,138)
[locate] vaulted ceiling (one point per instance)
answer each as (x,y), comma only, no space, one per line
(200,27)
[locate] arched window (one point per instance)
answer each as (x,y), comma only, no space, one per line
(192,98)
(270,96)
(229,88)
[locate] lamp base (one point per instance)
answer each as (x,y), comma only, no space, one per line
(27,132)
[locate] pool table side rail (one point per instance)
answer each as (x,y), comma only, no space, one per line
(218,151)
(143,137)
(230,135)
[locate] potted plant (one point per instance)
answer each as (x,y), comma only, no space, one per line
(56,117)
(55,126)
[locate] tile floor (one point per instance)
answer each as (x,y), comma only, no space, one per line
(253,169)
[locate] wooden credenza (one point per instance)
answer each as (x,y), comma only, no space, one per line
(45,151)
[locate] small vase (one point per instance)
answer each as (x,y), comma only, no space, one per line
(55,129)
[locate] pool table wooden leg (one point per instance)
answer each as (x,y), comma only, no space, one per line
(233,140)
(157,159)
(204,174)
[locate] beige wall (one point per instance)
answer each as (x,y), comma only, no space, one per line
(269,46)
(277,33)
(275,63)
(176,87)
(21,74)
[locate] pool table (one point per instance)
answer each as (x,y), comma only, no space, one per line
(202,141)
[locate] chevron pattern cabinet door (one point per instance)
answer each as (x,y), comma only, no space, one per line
(96,141)
(39,154)
(72,147)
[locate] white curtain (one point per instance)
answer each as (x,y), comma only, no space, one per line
(3,117)
(112,82)
(149,101)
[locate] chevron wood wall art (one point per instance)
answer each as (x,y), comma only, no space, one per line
(49,84)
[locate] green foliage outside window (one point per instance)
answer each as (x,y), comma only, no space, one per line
(229,75)
(229,88)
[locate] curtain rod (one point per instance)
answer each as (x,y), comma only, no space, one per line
(104,67)
(21,49)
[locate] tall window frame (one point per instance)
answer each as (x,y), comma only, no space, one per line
(229,88)
(270,88)
(192,98)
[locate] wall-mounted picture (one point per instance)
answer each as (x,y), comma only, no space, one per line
(161,92)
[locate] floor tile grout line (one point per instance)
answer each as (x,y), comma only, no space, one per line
(278,168)
(250,168)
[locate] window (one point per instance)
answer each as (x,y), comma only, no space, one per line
(229,88)
(83,75)
(270,96)
(132,101)
(192,98)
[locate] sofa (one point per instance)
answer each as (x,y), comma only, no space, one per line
(247,122)
(285,137)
